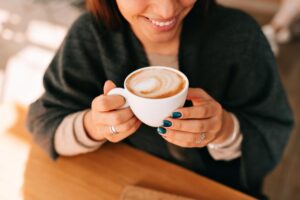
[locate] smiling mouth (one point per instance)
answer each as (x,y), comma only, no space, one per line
(162,23)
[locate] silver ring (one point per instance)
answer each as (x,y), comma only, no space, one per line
(113,130)
(201,138)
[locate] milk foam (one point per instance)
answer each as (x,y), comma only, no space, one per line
(155,83)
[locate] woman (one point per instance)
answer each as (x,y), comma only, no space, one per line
(237,107)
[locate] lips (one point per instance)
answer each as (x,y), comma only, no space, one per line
(162,24)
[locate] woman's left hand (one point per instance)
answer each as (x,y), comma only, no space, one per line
(206,121)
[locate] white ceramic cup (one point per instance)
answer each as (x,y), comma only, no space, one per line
(152,111)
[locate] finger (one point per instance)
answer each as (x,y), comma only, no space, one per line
(113,117)
(207,110)
(105,103)
(105,129)
(185,139)
(193,126)
(131,127)
(197,93)
(109,85)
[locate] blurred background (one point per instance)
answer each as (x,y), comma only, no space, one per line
(30,33)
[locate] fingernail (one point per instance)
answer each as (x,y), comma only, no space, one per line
(167,123)
(176,115)
(161,130)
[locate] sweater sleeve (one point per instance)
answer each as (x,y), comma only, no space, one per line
(72,80)
(256,96)
(71,138)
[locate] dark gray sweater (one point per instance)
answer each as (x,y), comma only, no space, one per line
(225,53)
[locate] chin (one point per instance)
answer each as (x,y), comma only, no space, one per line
(161,38)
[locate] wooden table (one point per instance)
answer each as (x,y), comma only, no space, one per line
(27,173)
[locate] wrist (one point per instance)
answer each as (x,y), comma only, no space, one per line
(89,127)
(226,129)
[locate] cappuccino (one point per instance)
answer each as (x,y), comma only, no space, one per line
(155,83)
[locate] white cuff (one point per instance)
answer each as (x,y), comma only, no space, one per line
(231,148)
(230,153)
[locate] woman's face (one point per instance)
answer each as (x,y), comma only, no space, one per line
(158,21)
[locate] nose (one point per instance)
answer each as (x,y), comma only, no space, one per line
(165,9)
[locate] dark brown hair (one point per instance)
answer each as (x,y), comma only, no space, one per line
(108,12)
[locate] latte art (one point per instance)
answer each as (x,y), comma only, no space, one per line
(155,83)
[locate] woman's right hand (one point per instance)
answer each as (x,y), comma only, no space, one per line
(105,113)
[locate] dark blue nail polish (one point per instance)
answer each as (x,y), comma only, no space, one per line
(167,123)
(161,130)
(176,115)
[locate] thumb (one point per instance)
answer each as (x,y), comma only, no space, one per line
(197,93)
(109,85)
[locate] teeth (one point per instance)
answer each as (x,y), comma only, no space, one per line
(161,24)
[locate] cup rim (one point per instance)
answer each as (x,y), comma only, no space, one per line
(161,67)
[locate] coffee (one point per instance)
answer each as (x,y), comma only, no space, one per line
(155,83)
